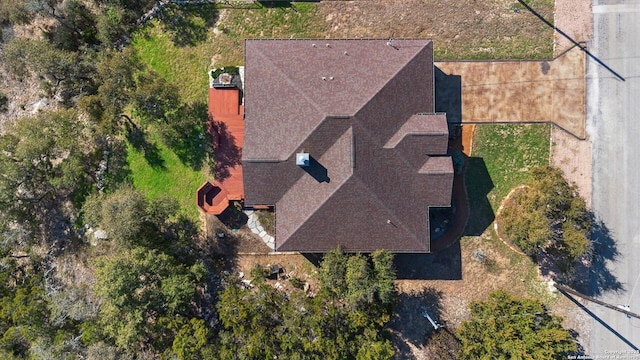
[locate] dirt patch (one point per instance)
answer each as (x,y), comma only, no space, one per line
(467,138)
(573,17)
(573,157)
(494,29)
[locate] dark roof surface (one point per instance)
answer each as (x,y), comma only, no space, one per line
(363,110)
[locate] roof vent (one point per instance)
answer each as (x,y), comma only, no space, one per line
(302,159)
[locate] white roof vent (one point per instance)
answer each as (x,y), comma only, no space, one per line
(302,159)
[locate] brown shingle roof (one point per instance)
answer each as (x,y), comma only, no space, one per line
(363,110)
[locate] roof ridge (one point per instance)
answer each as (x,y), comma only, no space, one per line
(393,76)
(301,93)
(394,141)
(382,203)
(329,195)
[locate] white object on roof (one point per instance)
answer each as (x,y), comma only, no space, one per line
(302,159)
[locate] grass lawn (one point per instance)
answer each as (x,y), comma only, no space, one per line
(165,174)
(509,151)
(500,161)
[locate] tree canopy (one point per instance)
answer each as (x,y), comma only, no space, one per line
(343,321)
(548,215)
(145,294)
(505,327)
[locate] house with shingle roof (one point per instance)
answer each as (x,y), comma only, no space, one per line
(342,140)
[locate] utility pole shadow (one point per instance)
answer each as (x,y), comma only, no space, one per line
(583,48)
(599,320)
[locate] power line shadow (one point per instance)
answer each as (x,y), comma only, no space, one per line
(599,320)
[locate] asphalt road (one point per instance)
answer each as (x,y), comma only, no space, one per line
(613,123)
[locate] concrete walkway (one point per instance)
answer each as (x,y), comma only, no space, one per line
(522,91)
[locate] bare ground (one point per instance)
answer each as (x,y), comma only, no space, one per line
(574,18)
(573,156)
(478,29)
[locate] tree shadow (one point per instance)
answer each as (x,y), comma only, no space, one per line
(276,4)
(593,275)
(233,217)
(441,265)
(188,24)
(138,139)
(192,143)
(479,184)
(227,152)
(409,325)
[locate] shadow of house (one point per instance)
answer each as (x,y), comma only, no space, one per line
(448,97)
(479,184)
(442,265)
(227,152)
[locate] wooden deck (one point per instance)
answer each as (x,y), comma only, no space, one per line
(226,125)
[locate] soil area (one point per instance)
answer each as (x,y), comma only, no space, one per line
(575,19)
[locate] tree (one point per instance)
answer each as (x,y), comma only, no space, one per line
(193,341)
(128,217)
(505,327)
(549,215)
(63,72)
(140,289)
(45,162)
(15,12)
(263,322)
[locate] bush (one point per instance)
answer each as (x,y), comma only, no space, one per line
(506,327)
(549,215)
(4,102)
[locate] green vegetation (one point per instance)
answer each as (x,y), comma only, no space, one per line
(548,215)
(164,175)
(267,220)
(186,67)
(124,154)
(505,327)
(509,152)
(343,321)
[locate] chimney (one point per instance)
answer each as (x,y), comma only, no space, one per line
(302,159)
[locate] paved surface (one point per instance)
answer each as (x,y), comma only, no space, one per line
(520,91)
(614,125)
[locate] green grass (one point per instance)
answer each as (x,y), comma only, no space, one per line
(501,159)
(170,177)
(184,59)
(186,65)
(509,152)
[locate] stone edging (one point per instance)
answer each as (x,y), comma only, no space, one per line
(495,223)
(256,228)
